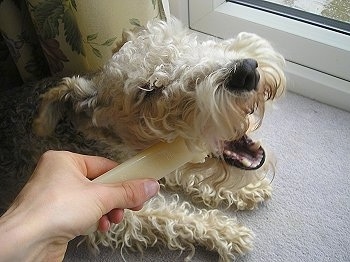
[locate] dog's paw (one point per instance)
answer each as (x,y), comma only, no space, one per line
(252,195)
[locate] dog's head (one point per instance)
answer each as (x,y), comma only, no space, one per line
(212,93)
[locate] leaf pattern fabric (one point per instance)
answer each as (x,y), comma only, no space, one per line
(61,37)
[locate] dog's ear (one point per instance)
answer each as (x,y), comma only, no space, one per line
(127,35)
(76,93)
(49,112)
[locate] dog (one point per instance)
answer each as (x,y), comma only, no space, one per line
(161,84)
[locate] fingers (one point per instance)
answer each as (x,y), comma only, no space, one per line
(96,166)
(129,194)
(90,166)
(103,224)
(108,200)
(116,215)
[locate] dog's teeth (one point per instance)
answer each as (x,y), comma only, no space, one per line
(246,162)
(255,146)
(228,152)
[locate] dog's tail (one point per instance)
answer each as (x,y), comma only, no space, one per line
(73,93)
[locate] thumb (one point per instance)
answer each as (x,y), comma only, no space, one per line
(128,194)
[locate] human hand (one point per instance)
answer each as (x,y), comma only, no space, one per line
(60,202)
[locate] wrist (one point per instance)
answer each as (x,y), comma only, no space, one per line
(25,238)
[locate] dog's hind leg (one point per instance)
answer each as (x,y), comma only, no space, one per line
(78,91)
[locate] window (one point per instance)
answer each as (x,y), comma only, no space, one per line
(334,13)
(317,53)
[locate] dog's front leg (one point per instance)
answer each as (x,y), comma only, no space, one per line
(180,226)
(215,185)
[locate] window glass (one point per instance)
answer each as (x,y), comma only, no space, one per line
(335,9)
(330,14)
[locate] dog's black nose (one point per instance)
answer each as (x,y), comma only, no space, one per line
(244,76)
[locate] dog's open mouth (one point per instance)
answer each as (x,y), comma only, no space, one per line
(244,153)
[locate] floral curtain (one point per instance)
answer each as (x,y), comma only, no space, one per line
(40,38)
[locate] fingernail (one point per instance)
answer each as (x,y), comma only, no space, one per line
(151,188)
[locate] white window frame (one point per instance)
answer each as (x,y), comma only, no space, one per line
(318,60)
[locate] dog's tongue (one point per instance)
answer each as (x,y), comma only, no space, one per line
(244,153)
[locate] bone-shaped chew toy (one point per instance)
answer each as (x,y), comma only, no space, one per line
(154,162)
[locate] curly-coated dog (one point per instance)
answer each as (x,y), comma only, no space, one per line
(161,84)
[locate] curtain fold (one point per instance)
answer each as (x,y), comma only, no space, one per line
(61,37)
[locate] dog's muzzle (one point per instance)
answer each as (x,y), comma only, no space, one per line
(244,76)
